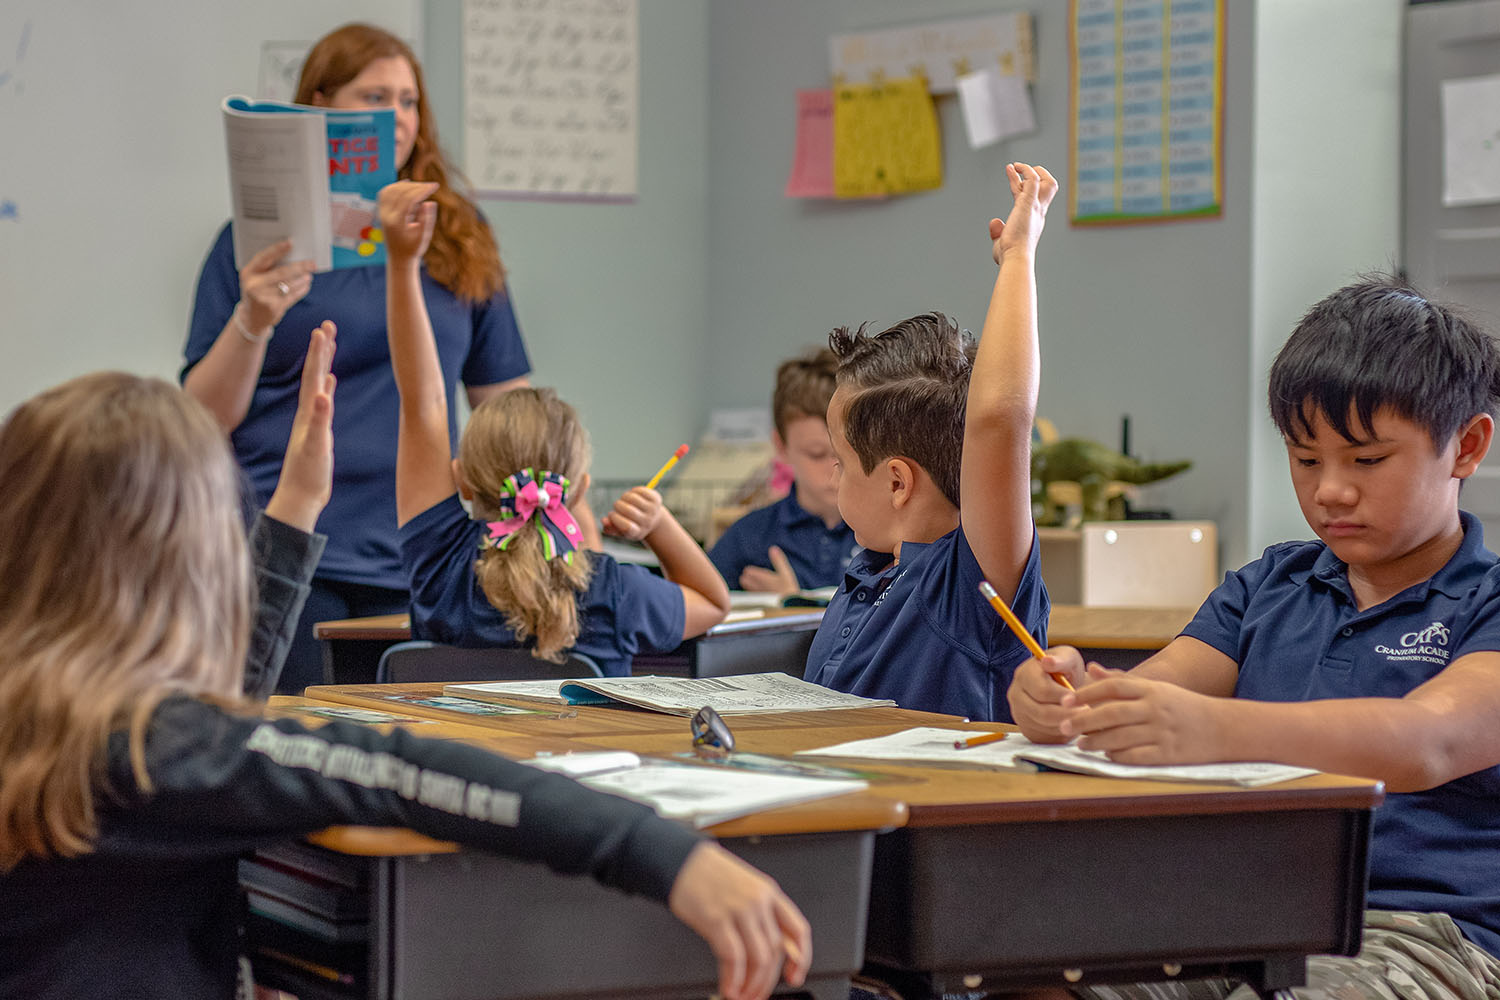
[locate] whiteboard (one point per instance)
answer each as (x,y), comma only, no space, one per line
(112,175)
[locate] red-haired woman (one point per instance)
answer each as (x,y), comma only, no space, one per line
(250,329)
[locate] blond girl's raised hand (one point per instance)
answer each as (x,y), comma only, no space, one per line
(407,218)
(306,480)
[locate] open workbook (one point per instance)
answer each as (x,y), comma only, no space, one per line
(310,175)
(698,795)
(937,746)
(741,694)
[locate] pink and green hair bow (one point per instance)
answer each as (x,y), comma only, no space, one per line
(540,498)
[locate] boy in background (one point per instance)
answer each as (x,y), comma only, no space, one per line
(1373,651)
(799,542)
(935,479)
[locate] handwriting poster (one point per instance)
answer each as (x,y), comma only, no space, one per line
(1146,130)
(551,98)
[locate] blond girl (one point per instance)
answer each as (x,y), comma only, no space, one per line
(520,571)
(134,768)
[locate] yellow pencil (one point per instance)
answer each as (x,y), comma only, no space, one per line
(979,741)
(681,450)
(1019,629)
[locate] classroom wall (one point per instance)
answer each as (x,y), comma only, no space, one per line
(613,298)
(1154,321)
(1327,169)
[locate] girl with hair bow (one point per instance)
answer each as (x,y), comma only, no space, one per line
(523,466)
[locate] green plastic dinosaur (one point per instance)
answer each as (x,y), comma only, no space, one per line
(1094,468)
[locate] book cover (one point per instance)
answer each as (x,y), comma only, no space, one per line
(309,174)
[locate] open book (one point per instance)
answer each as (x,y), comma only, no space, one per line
(310,175)
(1015,752)
(701,796)
(741,694)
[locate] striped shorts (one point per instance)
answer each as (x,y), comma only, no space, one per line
(1403,956)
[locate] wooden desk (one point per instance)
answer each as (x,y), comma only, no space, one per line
(774,639)
(1116,637)
(1005,881)
(465,925)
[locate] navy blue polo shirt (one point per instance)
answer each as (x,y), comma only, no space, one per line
(477,343)
(920,633)
(624,610)
(1290,620)
(819,554)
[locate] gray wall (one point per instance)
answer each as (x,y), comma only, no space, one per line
(1146,320)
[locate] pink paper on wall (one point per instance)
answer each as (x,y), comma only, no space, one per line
(812,160)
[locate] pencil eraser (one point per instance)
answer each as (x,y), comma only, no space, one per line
(682,449)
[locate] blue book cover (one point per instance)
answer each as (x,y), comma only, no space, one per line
(309,174)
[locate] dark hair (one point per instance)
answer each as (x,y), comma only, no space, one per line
(908,390)
(1380,344)
(462,257)
(804,385)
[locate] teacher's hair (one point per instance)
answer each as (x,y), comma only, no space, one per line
(127,578)
(463,256)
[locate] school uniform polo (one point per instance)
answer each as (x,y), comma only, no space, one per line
(920,633)
(1290,620)
(478,343)
(818,554)
(624,610)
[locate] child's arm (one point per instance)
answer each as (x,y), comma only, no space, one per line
(1442,730)
(639,516)
(995,478)
(423,457)
(1036,690)
(306,480)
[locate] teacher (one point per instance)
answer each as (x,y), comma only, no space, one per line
(250,331)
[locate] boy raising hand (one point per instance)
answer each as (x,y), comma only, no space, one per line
(933,441)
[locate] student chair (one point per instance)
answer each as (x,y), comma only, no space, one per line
(419,660)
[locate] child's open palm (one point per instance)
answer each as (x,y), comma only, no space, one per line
(306,480)
(1033,189)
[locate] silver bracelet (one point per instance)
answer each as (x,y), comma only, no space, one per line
(245,331)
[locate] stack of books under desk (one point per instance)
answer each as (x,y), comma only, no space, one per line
(308,921)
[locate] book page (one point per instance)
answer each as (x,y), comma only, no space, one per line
(704,796)
(1071,758)
(543,690)
(278,182)
(930,745)
(741,694)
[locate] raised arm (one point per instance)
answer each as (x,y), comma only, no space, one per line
(423,455)
(224,379)
(639,516)
(995,480)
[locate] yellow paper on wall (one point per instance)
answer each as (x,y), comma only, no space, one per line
(885,139)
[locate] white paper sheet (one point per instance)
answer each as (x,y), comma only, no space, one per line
(1471,140)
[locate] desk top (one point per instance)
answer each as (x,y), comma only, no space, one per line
(916,794)
(1115,628)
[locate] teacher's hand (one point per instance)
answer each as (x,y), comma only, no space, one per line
(269,285)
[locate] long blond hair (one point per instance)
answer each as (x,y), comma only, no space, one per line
(462,256)
(520,429)
(126,579)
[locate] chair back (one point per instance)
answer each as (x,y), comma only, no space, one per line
(419,661)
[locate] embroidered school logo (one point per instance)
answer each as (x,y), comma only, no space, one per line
(1429,645)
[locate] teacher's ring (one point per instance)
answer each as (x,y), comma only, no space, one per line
(283,287)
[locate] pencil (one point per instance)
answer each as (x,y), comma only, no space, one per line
(1020,630)
(978,741)
(681,450)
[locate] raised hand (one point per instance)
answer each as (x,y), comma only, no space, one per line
(407,218)
(306,480)
(1033,189)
